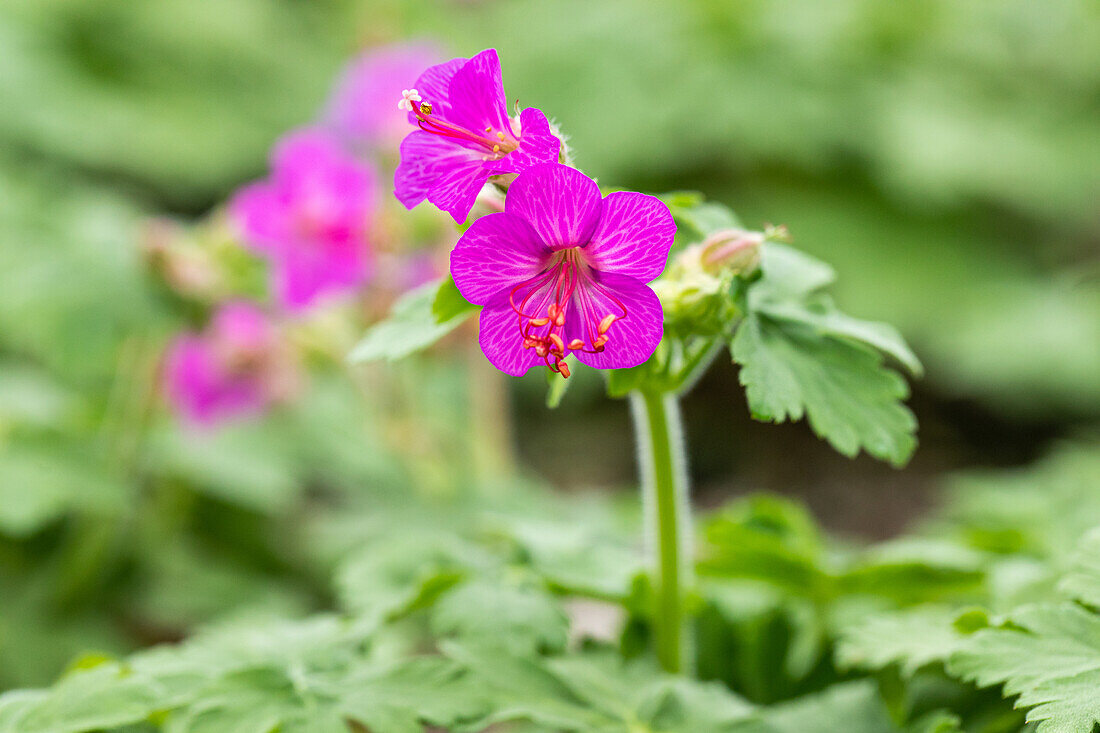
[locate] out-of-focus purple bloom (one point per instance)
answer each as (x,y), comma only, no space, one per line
(563,271)
(465,135)
(310,218)
(361,110)
(235,367)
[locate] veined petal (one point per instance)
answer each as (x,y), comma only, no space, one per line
(633,236)
(434,86)
(441,170)
(537,144)
(500,339)
(476,95)
(561,203)
(498,252)
(633,339)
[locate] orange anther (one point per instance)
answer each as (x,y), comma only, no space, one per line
(564,369)
(536,322)
(542,349)
(576,345)
(559,347)
(598,344)
(605,324)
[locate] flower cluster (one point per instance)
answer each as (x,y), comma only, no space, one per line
(314,219)
(562,270)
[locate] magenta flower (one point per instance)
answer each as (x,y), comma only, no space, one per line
(310,218)
(465,135)
(564,271)
(235,367)
(361,109)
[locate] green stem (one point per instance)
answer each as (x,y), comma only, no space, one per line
(668,518)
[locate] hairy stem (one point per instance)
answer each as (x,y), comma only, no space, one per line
(668,519)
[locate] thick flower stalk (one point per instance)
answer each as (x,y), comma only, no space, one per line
(310,218)
(236,367)
(563,271)
(465,135)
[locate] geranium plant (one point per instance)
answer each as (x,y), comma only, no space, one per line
(537,613)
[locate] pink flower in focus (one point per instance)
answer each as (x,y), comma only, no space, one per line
(563,270)
(235,367)
(310,218)
(361,109)
(465,135)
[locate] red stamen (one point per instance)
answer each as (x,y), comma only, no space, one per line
(443,128)
(569,284)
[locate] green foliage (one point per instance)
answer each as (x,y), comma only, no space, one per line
(783,613)
(522,619)
(419,319)
(696,218)
(1046,654)
(911,638)
(851,707)
(764,538)
(1083,579)
(801,357)
(598,692)
(118,530)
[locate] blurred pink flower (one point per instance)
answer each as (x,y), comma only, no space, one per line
(310,218)
(235,367)
(361,110)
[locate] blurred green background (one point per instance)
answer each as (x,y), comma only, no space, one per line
(943,156)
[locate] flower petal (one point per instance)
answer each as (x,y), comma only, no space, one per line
(301,153)
(200,389)
(498,252)
(243,324)
(476,95)
(434,86)
(441,170)
(259,212)
(561,203)
(500,339)
(537,144)
(633,236)
(632,339)
(309,270)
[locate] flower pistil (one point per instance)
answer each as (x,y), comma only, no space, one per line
(497,144)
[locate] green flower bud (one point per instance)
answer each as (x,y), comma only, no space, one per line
(731,250)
